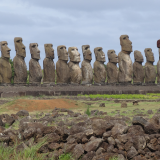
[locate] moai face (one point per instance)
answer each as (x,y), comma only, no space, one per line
(99,54)
(149,55)
(49,51)
(62,53)
(35,52)
(87,54)
(125,43)
(19,47)
(74,55)
(5,50)
(138,56)
(158,46)
(112,57)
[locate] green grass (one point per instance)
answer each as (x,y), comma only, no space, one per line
(66,156)
(88,111)
(126,96)
(113,158)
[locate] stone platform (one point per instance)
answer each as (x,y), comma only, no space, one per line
(57,90)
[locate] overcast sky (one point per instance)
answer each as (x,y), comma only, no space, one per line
(98,23)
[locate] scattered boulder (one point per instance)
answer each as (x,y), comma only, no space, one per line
(135,103)
(150,112)
(102,105)
(123,105)
(22,113)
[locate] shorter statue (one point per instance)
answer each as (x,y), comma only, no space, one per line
(35,72)
(125,62)
(112,69)
(62,69)
(74,69)
(150,70)
(158,64)
(138,70)
(99,68)
(20,68)
(87,71)
(5,66)
(48,65)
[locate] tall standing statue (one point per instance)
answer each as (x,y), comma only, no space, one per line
(74,69)
(35,72)
(62,69)
(158,64)
(99,68)
(48,65)
(150,71)
(87,71)
(5,66)
(20,68)
(138,70)
(112,69)
(125,62)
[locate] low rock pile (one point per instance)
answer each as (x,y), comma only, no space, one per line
(86,138)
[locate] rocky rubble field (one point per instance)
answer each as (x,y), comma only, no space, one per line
(95,137)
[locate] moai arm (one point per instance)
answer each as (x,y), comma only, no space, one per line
(0,75)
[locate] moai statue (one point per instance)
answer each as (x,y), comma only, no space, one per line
(150,71)
(87,71)
(158,64)
(112,69)
(62,69)
(48,65)
(35,72)
(125,62)
(99,68)
(138,70)
(20,68)
(5,66)
(74,69)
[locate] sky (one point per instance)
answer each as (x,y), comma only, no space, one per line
(76,23)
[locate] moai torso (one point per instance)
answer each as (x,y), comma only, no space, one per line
(138,70)
(158,64)
(87,71)
(48,65)
(150,70)
(125,62)
(62,68)
(5,71)
(74,69)
(112,70)
(99,68)
(35,71)
(20,68)
(5,66)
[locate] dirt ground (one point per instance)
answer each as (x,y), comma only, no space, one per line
(40,105)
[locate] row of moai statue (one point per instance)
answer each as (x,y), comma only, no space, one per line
(71,73)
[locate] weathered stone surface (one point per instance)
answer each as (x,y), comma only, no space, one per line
(62,68)
(87,71)
(158,63)
(6,119)
(77,151)
(35,71)
(89,156)
(5,67)
(20,68)
(93,145)
(124,105)
(112,69)
(102,105)
(74,69)
(150,71)
(99,68)
(139,142)
(138,70)
(48,65)
(132,153)
(139,121)
(125,62)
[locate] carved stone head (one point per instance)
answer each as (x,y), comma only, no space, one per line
(138,56)
(99,54)
(49,51)
(19,47)
(74,55)
(112,57)
(5,50)
(62,53)
(35,52)
(87,54)
(125,43)
(158,43)
(149,55)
